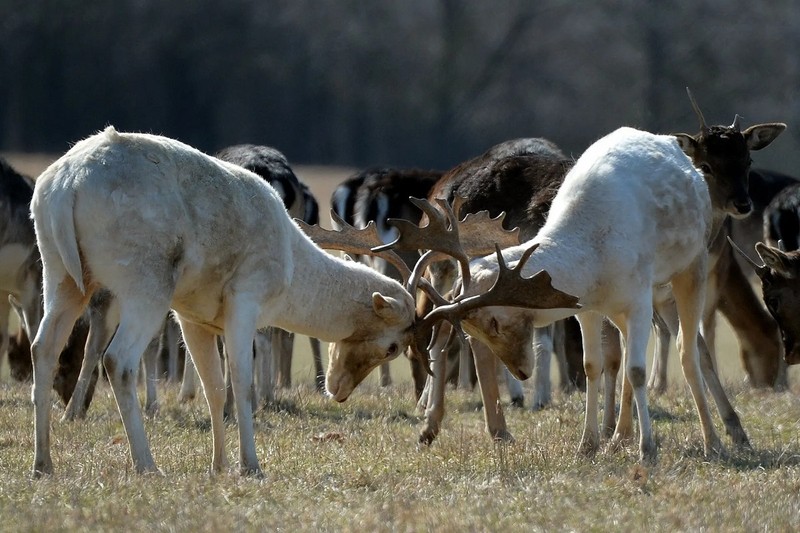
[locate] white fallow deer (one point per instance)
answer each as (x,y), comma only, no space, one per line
(162,225)
(631,216)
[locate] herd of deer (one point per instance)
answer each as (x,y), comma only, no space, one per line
(486,263)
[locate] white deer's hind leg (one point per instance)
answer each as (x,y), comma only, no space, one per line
(543,353)
(689,291)
(637,333)
(202,347)
(140,322)
(591,331)
(63,304)
(240,330)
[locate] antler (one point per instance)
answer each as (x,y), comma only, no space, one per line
(758,268)
(703,127)
(351,240)
(473,236)
(736,126)
(510,289)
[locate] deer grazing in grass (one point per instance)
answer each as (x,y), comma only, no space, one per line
(632,215)
(780,271)
(161,225)
(519,177)
(20,271)
(375,195)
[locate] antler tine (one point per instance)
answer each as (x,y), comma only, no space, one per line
(756,266)
(510,289)
(439,235)
(736,126)
(354,241)
(480,233)
(703,127)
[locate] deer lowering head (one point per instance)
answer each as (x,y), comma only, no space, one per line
(722,154)
(445,236)
(780,287)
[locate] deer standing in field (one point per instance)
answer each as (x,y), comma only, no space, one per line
(632,215)
(161,225)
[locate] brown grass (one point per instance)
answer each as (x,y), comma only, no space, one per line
(356,466)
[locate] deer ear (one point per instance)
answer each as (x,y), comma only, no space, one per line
(389,309)
(760,135)
(687,143)
(776,260)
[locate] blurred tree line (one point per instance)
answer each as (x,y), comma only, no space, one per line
(381,82)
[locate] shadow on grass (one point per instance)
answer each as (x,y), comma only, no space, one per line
(745,460)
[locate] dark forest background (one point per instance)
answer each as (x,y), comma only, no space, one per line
(382,82)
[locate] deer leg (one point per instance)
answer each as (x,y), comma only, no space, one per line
(202,347)
(150,362)
(140,321)
(591,331)
(435,410)
(515,390)
(689,291)
(733,426)
(612,360)
(658,377)
(466,367)
(636,333)
(240,330)
(282,346)
(103,320)
(319,371)
(265,378)
(188,386)
(63,304)
(5,335)
(542,350)
(386,375)
(486,368)
(171,338)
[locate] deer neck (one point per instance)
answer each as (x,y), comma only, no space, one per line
(327,297)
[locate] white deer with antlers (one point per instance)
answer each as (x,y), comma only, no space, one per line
(162,225)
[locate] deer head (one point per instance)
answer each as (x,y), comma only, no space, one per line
(722,153)
(780,287)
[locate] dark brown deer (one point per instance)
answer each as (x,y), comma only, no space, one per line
(780,253)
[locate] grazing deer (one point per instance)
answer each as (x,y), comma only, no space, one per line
(377,194)
(20,271)
(781,267)
(162,225)
(519,177)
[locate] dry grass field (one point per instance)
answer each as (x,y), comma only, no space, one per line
(356,466)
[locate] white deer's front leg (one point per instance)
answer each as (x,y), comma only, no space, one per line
(591,331)
(240,329)
(542,353)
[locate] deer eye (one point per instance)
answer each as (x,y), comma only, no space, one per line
(391,351)
(705,168)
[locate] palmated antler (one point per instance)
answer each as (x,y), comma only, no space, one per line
(510,289)
(352,240)
(445,234)
(703,126)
